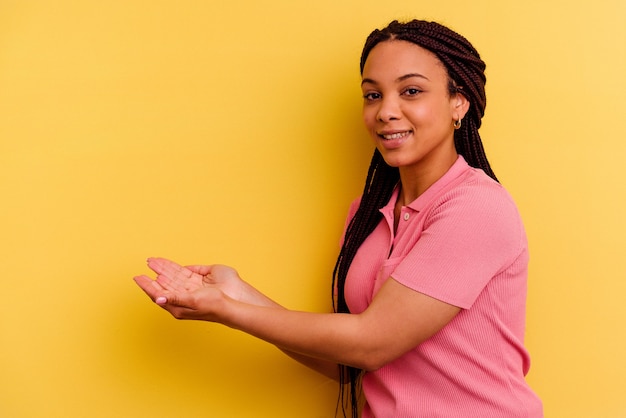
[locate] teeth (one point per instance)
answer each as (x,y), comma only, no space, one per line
(396,135)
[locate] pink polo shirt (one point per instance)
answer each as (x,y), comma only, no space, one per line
(462,241)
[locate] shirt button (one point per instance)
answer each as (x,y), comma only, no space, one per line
(406,216)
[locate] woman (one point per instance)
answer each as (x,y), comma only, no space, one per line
(430,284)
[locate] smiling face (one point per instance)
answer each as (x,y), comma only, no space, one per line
(408,110)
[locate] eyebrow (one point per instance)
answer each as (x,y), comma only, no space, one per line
(399,79)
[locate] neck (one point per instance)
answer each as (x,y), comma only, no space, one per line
(414,182)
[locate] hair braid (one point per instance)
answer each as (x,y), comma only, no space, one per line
(379,185)
(381,180)
(466,71)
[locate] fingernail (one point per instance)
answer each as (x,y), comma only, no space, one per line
(161,300)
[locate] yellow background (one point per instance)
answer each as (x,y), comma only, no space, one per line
(231,133)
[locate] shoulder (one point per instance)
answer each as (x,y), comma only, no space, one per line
(477,192)
(478,206)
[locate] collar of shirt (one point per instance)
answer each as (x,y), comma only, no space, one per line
(459,168)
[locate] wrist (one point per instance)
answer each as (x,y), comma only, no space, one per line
(253,296)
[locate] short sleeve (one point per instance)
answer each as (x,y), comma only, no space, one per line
(470,235)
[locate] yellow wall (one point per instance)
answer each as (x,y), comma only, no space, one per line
(231,133)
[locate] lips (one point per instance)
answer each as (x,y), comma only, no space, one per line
(391,140)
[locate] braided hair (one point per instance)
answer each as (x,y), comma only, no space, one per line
(466,76)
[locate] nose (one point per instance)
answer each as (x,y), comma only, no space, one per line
(389,110)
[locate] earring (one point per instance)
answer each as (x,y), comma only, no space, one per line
(457,124)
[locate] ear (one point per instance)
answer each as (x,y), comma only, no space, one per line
(460,106)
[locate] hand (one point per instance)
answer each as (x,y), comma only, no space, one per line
(192,292)
(175,277)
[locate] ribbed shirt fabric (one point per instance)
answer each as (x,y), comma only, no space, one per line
(463,242)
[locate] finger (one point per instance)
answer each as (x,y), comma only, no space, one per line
(172,284)
(171,275)
(161,300)
(149,286)
(201,270)
(173,302)
(168,268)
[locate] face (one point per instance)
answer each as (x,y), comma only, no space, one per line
(408,110)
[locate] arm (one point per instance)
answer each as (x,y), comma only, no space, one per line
(397,320)
(172,277)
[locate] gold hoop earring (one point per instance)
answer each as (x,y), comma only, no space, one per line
(457,124)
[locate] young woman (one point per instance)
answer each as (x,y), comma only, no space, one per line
(430,284)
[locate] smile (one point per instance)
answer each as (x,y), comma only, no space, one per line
(395,135)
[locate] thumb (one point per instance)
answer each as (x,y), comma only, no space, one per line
(170,299)
(199,269)
(161,300)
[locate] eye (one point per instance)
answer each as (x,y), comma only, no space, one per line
(371,96)
(411,91)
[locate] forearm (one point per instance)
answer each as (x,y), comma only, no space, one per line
(330,369)
(318,340)
(398,320)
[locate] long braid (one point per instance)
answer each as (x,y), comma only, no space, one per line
(466,72)
(381,180)
(471,149)
(379,185)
